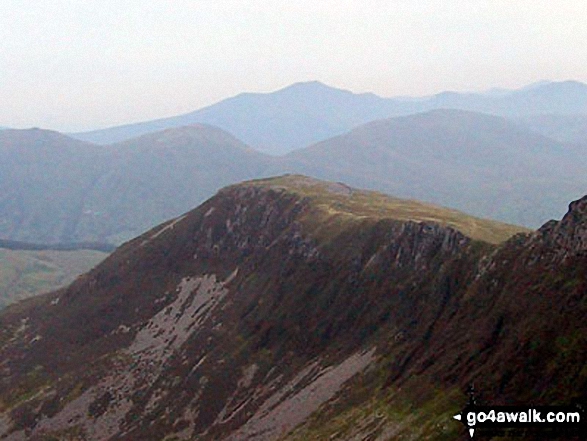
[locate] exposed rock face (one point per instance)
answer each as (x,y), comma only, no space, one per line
(271,312)
(570,234)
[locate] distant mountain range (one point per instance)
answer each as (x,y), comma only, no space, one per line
(291,309)
(564,128)
(481,164)
(276,122)
(305,113)
(57,189)
(44,179)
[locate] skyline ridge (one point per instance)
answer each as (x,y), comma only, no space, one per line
(492,92)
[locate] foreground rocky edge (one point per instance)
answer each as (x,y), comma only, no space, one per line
(291,308)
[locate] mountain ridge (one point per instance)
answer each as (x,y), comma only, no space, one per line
(481,164)
(57,189)
(304,113)
(243,320)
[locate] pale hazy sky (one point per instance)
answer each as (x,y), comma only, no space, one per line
(76,65)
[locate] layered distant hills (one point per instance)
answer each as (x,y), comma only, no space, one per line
(292,309)
(305,113)
(57,189)
(564,128)
(482,164)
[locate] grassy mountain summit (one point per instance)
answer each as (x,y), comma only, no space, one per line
(337,202)
(297,309)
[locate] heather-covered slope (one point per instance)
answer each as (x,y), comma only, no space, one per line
(297,309)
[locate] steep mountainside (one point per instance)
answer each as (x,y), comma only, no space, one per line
(478,163)
(305,113)
(296,309)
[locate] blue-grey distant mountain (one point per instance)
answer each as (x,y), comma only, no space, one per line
(44,179)
(305,113)
(558,98)
(57,189)
(164,174)
(564,128)
(276,122)
(477,163)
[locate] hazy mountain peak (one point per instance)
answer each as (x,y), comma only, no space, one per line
(312,90)
(313,84)
(555,88)
(306,112)
(38,136)
(196,131)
